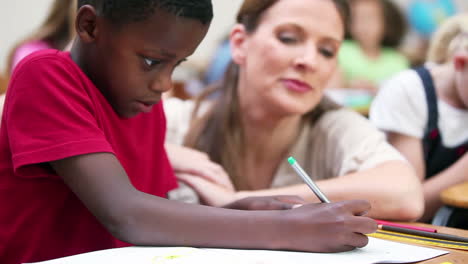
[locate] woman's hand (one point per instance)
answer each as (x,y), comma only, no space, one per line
(209,192)
(187,161)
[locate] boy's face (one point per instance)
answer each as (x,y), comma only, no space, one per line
(132,64)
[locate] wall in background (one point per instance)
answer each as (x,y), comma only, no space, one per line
(20,17)
(224,17)
(17,19)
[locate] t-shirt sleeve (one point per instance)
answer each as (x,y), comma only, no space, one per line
(351,143)
(49,115)
(400,105)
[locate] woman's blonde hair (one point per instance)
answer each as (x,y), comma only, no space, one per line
(449,37)
(58,29)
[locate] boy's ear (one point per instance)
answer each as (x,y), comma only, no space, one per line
(86,23)
(238,41)
(460,62)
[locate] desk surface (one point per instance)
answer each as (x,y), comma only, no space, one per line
(456,195)
(455,256)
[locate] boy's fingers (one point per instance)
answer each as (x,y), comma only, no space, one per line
(359,240)
(274,204)
(291,199)
(296,206)
(357,207)
(281,202)
(364,225)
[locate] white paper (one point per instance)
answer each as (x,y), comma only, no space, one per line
(377,251)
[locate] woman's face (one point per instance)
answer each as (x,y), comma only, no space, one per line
(367,23)
(286,62)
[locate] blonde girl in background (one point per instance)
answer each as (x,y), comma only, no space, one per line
(55,32)
(424,112)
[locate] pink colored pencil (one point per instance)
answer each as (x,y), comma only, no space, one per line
(432,230)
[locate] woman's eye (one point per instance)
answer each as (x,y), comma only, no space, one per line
(328,53)
(150,62)
(288,38)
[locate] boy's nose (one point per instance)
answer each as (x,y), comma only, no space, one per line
(161,84)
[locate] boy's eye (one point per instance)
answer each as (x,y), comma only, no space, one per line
(179,62)
(151,62)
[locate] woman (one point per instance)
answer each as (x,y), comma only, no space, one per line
(272,106)
(429,112)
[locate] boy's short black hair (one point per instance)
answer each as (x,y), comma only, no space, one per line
(124,11)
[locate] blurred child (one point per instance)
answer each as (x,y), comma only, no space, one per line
(369,56)
(55,33)
(82,159)
(425,112)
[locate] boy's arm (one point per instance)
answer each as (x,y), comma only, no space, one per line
(142,219)
(412,149)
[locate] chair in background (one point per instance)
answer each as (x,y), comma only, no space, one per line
(454,212)
(179,91)
(3,83)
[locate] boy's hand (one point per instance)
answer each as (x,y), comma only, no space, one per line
(326,227)
(279,202)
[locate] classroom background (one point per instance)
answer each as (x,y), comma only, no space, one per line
(20,17)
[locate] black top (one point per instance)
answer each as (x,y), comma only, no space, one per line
(437,157)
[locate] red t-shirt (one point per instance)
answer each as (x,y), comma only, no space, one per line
(53,111)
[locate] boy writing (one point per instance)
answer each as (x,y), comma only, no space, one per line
(82,160)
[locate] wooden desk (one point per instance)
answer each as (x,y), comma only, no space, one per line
(455,256)
(456,196)
(454,212)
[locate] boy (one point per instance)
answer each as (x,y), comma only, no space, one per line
(82,157)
